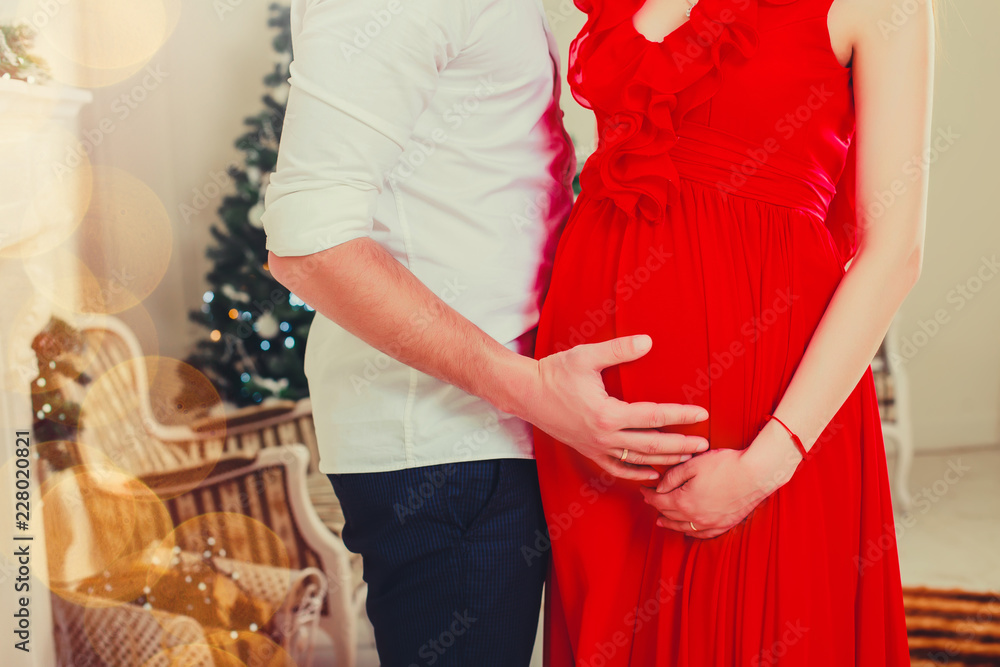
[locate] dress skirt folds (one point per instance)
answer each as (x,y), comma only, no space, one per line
(716,215)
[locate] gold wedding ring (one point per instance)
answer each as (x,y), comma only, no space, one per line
(692,526)
(624,455)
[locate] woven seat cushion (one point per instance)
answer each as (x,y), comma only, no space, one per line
(185,583)
(125,636)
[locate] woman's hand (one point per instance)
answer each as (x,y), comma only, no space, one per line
(718,489)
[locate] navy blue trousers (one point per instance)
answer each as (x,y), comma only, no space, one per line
(451,559)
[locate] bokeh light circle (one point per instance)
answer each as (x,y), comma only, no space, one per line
(103,528)
(125,410)
(125,239)
(50,199)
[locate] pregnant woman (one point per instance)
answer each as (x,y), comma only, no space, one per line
(748,149)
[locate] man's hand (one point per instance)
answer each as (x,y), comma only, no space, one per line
(570,403)
(364,289)
(718,489)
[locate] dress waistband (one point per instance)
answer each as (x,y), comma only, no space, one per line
(741,168)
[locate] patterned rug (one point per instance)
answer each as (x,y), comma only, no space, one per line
(952,628)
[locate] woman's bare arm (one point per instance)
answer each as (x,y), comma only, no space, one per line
(893,72)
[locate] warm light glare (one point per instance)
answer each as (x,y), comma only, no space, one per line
(97,43)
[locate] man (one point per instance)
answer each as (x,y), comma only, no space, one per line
(422,178)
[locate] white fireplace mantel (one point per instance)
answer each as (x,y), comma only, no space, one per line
(35,122)
(19,98)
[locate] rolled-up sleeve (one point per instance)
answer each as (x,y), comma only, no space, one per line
(363,72)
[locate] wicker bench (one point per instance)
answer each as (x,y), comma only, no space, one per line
(259,464)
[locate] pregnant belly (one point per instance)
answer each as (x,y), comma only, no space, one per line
(729,290)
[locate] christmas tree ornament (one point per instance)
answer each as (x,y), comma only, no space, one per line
(274,386)
(233,294)
(266,326)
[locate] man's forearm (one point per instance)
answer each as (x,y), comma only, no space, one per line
(364,289)
(361,287)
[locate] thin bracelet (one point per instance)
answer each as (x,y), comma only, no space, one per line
(795,438)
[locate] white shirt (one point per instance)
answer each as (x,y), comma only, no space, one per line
(432,127)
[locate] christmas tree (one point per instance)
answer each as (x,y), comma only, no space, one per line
(257,328)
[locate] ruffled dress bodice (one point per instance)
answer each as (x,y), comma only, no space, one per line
(718,91)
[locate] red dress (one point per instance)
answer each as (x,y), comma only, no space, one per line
(716,215)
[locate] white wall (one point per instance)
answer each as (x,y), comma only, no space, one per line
(956,372)
(182,133)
